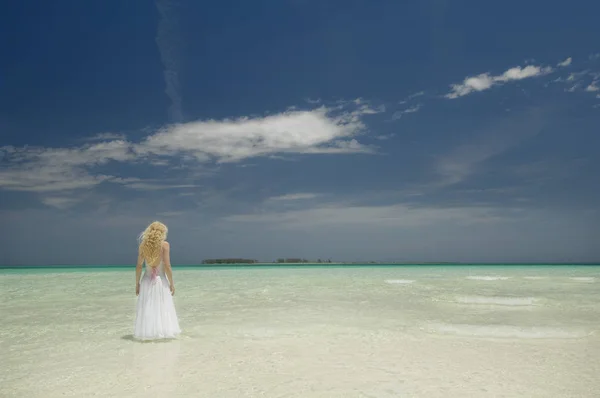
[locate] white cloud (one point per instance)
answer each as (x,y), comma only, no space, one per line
(466,159)
(414,95)
(574,76)
(294,196)
(478,83)
(59,202)
(107,137)
(279,157)
(318,131)
(384,137)
(462,162)
(485,81)
(398,215)
(167,40)
(580,81)
(518,73)
(315,131)
(54,169)
(413,109)
(566,62)
(148,186)
(417,94)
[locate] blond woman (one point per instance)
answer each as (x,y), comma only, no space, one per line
(155,312)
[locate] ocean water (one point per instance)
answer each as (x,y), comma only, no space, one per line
(420,331)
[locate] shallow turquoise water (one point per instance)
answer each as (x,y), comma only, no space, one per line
(307,331)
(99,268)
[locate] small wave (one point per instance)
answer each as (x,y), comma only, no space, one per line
(488,278)
(583,279)
(535,278)
(508,301)
(506,331)
(399,281)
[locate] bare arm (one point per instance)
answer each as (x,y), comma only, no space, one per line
(167,264)
(138,272)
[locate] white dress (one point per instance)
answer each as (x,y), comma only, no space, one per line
(155,316)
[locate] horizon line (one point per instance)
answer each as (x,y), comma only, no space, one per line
(323,264)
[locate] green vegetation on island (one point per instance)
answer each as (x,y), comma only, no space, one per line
(299,261)
(303,261)
(229,261)
(211,261)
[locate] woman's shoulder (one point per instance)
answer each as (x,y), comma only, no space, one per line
(166,245)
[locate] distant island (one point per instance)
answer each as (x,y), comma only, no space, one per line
(301,262)
(251,261)
(241,261)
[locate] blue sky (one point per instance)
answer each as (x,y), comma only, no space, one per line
(352,130)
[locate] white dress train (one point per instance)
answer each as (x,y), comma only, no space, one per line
(155,316)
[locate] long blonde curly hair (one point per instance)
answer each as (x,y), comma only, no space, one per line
(151,241)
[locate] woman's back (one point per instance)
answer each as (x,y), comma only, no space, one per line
(156,271)
(156,317)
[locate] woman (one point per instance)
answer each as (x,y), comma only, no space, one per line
(155,313)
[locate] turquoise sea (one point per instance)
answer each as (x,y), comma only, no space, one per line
(307,331)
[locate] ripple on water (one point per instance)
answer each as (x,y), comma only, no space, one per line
(487,278)
(399,281)
(498,300)
(588,279)
(507,331)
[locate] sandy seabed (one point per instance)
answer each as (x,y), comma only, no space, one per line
(313,332)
